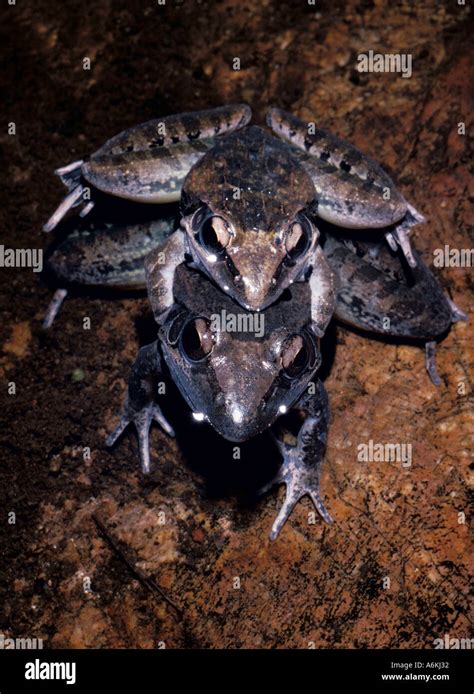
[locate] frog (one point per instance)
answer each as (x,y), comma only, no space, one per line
(249,199)
(242,383)
(238,381)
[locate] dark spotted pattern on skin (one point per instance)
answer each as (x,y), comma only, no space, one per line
(154,175)
(339,173)
(170,130)
(374,284)
(276,186)
(109,256)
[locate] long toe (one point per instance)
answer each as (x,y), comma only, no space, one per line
(291,499)
(119,429)
(158,417)
(320,507)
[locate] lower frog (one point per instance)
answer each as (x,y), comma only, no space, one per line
(239,381)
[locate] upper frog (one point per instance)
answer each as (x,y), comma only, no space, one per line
(248,200)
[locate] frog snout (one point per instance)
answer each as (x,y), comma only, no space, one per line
(257,292)
(240,421)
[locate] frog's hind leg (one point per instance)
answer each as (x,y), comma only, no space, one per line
(109,257)
(352,190)
(148,162)
(399,236)
(301,467)
(378,294)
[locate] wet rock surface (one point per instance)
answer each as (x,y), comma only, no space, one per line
(393,570)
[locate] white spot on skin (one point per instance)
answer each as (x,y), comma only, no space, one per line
(237,415)
(199,416)
(211,258)
(282,409)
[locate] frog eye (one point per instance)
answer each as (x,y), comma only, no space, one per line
(297,354)
(214,235)
(298,239)
(197,340)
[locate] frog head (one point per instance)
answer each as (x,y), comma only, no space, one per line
(236,369)
(246,210)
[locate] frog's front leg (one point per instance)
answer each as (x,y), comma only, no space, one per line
(160,268)
(323,284)
(148,162)
(140,406)
(300,470)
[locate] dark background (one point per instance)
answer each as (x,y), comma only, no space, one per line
(316,584)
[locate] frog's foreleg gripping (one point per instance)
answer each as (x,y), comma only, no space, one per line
(140,406)
(160,266)
(323,284)
(301,465)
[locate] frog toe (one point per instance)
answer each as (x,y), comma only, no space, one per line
(158,417)
(54,307)
(142,421)
(430,361)
(291,499)
(295,492)
(72,199)
(399,237)
(119,429)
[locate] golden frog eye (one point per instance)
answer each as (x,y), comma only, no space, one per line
(214,234)
(197,340)
(296,355)
(298,239)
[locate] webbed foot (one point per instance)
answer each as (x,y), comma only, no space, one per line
(300,479)
(142,421)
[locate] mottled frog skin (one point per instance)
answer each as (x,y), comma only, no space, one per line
(290,248)
(237,381)
(248,200)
